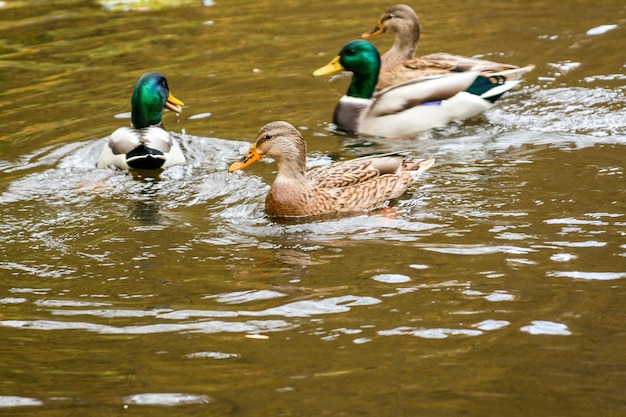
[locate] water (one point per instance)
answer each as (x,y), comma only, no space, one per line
(493,287)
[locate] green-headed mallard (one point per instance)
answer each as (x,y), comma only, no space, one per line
(349,186)
(414,106)
(145,144)
(399,65)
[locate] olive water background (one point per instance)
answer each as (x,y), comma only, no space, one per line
(494,287)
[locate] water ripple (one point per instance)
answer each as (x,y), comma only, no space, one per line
(303,308)
(251,326)
(166,399)
(490,324)
(241,297)
(478,249)
(591,276)
(539,327)
(211,355)
(437,333)
(13,401)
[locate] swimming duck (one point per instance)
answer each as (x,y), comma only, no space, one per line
(414,106)
(398,64)
(349,186)
(399,20)
(145,144)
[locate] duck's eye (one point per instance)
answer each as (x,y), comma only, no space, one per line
(350,52)
(267,137)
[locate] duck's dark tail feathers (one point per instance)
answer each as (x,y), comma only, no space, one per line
(143,157)
(491,86)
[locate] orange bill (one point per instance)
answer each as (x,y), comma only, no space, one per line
(249,158)
(378,29)
(332,67)
(174,104)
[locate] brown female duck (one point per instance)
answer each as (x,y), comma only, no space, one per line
(399,64)
(349,186)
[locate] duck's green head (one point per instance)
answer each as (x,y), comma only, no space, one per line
(360,57)
(151,95)
(363,60)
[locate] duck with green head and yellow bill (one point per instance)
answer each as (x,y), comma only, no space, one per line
(412,107)
(399,64)
(145,144)
(355,185)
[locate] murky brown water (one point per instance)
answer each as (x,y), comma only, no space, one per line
(495,287)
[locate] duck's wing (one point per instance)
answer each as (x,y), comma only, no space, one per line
(127,147)
(459,63)
(355,172)
(406,70)
(415,92)
(366,183)
(441,64)
(124,140)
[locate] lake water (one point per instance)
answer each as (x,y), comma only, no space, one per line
(494,287)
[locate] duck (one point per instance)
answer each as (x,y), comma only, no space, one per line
(356,185)
(401,21)
(407,109)
(399,63)
(145,145)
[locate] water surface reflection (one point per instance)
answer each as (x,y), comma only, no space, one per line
(498,276)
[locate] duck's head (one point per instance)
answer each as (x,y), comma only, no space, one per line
(398,18)
(358,56)
(278,140)
(363,59)
(151,95)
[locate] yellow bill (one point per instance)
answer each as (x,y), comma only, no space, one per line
(174,104)
(331,68)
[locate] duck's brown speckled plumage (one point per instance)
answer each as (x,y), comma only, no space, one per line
(399,64)
(356,185)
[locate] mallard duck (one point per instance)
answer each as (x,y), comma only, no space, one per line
(399,20)
(349,186)
(399,65)
(145,144)
(414,106)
